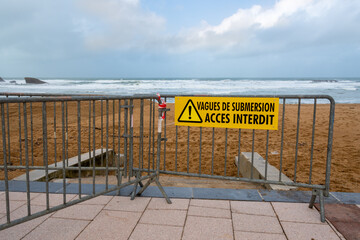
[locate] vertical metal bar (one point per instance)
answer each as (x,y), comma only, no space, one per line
(188,150)
(125,137)
(89,146)
(55,134)
(27,161)
(20,145)
(67,137)
(113,128)
(252,154)
(141,147)
(107,146)
(239,154)
(102,133)
(153,135)
(282,139)
(45,149)
(312,141)
(212,151)
(297,139)
(8,128)
(131,153)
(79,144)
(150,119)
(176,147)
(165,138)
(94,141)
(63,148)
(7,200)
(32,137)
(226,146)
(329,146)
(267,154)
(200,150)
(118,150)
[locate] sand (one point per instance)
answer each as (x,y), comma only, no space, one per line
(345,165)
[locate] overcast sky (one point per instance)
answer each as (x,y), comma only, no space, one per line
(188,38)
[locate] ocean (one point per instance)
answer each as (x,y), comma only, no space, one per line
(343,90)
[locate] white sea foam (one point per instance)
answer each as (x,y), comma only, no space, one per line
(343,90)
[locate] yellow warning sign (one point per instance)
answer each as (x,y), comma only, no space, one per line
(227,112)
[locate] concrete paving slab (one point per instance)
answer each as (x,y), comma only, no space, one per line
(111,225)
(57,228)
(126,204)
(22,212)
(256,223)
(100,200)
(222,204)
(258,236)
(18,196)
(296,212)
(164,217)
(54,199)
(227,194)
(295,230)
(13,205)
(20,186)
(177,204)
(158,232)
(207,228)
(81,212)
(348,198)
(253,208)
(209,212)
(73,188)
(19,231)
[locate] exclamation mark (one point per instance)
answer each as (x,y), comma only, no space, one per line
(189,112)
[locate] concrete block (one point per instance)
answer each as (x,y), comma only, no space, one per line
(258,170)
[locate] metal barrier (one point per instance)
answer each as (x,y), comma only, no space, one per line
(195,155)
(126,124)
(41,136)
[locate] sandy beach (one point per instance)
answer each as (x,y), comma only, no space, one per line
(345,166)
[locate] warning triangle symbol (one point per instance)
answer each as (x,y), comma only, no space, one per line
(190,113)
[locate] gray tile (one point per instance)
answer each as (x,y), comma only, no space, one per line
(227,194)
(254,208)
(308,231)
(206,228)
(256,223)
(164,217)
(111,225)
(126,204)
(348,198)
(158,232)
(57,228)
(292,196)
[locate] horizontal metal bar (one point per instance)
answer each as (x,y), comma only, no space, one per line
(56,168)
(305,185)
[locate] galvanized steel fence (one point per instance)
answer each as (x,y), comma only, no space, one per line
(118,135)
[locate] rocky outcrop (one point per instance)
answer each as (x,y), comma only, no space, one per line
(30,80)
(1,80)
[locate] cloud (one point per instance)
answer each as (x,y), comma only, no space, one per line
(123,24)
(287,24)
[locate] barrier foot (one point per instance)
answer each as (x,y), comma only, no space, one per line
(146,185)
(162,191)
(135,186)
(319,193)
(119,181)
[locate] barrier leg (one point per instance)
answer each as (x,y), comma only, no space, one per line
(319,193)
(313,198)
(322,206)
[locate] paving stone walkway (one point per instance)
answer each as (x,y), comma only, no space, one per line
(117,217)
